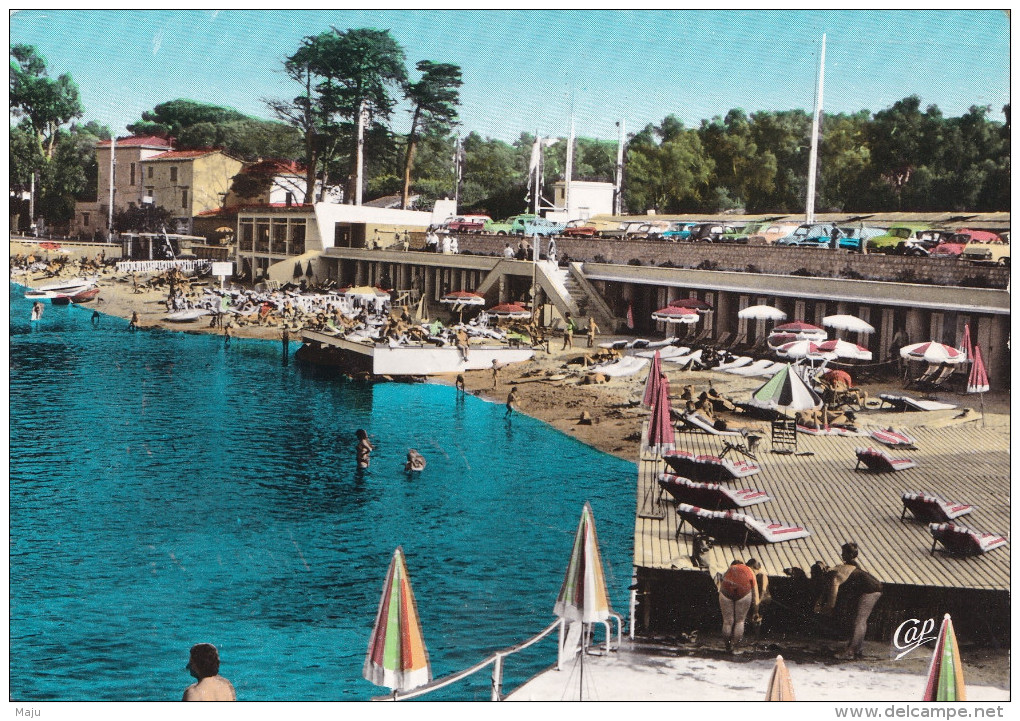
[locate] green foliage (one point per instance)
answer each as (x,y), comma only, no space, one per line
(671,176)
(434,99)
(47,104)
(142,220)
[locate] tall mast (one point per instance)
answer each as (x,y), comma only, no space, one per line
(569,170)
(809,211)
(617,197)
(113,168)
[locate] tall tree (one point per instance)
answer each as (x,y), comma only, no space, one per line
(434,99)
(48,104)
(671,176)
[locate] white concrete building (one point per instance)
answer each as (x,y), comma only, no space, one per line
(586,199)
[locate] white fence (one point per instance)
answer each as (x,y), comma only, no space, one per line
(157,266)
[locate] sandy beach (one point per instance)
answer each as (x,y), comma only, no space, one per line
(550,389)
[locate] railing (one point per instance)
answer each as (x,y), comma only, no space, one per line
(148,266)
(496,660)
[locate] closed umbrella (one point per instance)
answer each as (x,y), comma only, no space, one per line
(397,657)
(298,272)
(849,323)
(761,312)
(583,597)
(652,382)
(945,673)
(933,352)
(787,390)
(977,381)
(965,344)
(309,272)
(660,422)
(780,686)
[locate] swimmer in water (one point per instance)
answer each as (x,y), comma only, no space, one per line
(415,461)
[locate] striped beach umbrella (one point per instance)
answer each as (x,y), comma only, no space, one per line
(845,349)
(660,423)
(397,657)
(462,297)
(584,596)
(945,674)
(675,314)
(803,349)
(933,352)
(780,686)
(510,310)
(652,382)
(702,306)
(788,390)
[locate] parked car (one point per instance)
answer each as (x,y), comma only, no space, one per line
(467,223)
(817,235)
(529,224)
(894,240)
(579,229)
(773,232)
(628,228)
(498,227)
(994,252)
(733,234)
(715,233)
(954,246)
(925,242)
(678,230)
(856,237)
(656,228)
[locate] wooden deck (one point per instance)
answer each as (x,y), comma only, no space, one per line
(823,493)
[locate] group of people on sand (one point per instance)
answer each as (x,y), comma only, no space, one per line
(743,591)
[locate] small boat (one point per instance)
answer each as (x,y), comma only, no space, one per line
(81,297)
(60,290)
(186,316)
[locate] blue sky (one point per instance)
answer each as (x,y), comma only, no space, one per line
(525,70)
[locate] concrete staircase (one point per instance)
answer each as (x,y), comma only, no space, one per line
(570,292)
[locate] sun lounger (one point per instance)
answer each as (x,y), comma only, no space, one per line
(738,362)
(660,343)
(963,541)
(686,358)
(733,527)
(664,353)
(880,461)
(762,367)
(932,509)
(626,366)
(709,495)
(906,403)
(709,468)
(893,438)
(698,422)
(830,431)
(614,345)
(637,343)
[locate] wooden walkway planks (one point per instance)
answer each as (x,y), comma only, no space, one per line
(825,494)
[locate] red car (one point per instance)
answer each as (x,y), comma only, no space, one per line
(953,247)
(467,223)
(579,229)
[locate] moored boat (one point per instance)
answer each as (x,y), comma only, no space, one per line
(83,296)
(62,289)
(186,316)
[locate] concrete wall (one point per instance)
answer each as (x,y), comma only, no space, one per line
(816,262)
(63,248)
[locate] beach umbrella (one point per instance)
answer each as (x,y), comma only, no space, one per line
(798,326)
(761,312)
(933,352)
(397,657)
(965,344)
(297,270)
(780,686)
(583,596)
(803,349)
(652,382)
(510,310)
(845,349)
(788,390)
(660,422)
(462,297)
(945,674)
(849,323)
(309,271)
(701,306)
(675,314)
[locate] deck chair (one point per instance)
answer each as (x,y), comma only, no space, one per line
(738,342)
(963,541)
(879,461)
(734,527)
(709,469)
(709,495)
(784,435)
(723,341)
(932,509)
(894,438)
(925,377)
(697,422)
(737,362)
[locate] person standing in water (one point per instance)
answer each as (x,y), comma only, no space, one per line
(204,665)
(364,449)
(37,310)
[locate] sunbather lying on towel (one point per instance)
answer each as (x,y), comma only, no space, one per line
(815,419)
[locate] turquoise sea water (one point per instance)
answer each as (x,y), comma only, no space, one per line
(166,491)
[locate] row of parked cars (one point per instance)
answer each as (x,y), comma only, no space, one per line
(978,246)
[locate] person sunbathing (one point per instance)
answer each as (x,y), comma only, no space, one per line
(720,402)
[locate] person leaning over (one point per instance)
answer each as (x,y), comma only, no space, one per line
(204,665)
(862,591)
(738,594)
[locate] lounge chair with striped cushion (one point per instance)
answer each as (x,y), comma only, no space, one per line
(963,541)
(932,509)
(709,495)
(709,468)
(733,527)
(697,422)
(891,437)
(881,462)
